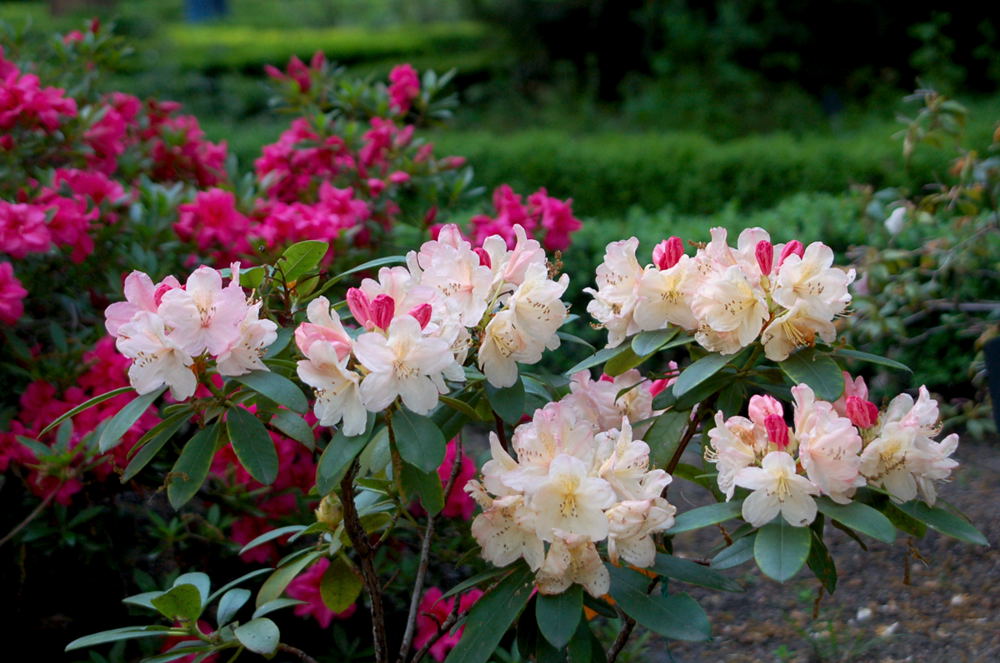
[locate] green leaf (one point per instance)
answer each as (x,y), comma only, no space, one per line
(648,342)
(423,485)
(706,515)
(338,456)
(695,574)
(477,579)
(143,600)
(301,258)
(252,277)
(253,445)
(731,399)
(180,602)
(585,647)
(601,357)
(872,359)
(150,444)
(817,370)
(275,605)
(558,615)
(698,372)
(664,436)
(294,427)
(371,264)
(340,585)
(199,580)
(258,635)
(903,522)
(272,535)
(781,549)
(419,440)
(233,583)
(572,338)
(279,579)
(677,616)
(625,360)
(860,517)
(491,616)
(116,634)
(229,605)
(86,405)
(739,552)
(821,563)
(508,402)
(944,522)
(191,467)
(459,406)
(128,415)
(276,387)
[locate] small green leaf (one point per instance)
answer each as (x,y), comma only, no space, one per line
(116,634)
(301,258)
(508,402)
(419,440)
(229,605)
(872,359)
(704,516)
(423,485)
(128,415)
(191,467)
(944,522)
(271,536)
(860,517)
(625,360)
(903,521)
(695,574)
(340,585)
(199,580)
(150,444)
(491,616)
(816,369)
(279,579)
(698,372)
(258,635)
(559,614)
(86,405)
(477,579)
(601,357)
(144,600)
(739,552)
(179,602)
(781,549)
(253,445)
(275,605)
(664,436)
(276,387)
(338,456)
(294,427)
(821,563)
(371,264)
(648,342)
(233,583)
(676,616)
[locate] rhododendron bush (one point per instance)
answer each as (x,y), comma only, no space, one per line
(326,355)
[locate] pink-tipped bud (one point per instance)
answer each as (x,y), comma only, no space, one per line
(360,306)
(318,60)
(424,153)
(375,186)
(422,314)
(452,162)
(777,431)
(274,72)
(862,413)
(383,308)
(668,253)
(765,256)
(399,177)
(606,378)
(656,387)
(794,246)
(484,257)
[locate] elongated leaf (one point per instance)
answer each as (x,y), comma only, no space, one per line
(477,579)
(872,359)
(295,427)
(200,580)
(161,434)
(86,405)
(903,521)
(423,485)
(821,563)
(706,515)
(144,600)
(677,616)
(229,605)
(180,602)
(739,552)
(625,360)
(572,338)
(337,457)
(816,369)
(781,550)
(459,406)
(558,615)
(253,445)
(271,536)
(232,583)
(192,466)
(648,342)
(491,616)
(259,635)
(418,439)
(507,402)
(275,605)
(279,579)
(116,634)
(128,415)
(698,372)
(276,387)
(664,436)
(944,522)
(371,264)
(300,259)
(695,574)
(599,358)
(860,517)
(340,586)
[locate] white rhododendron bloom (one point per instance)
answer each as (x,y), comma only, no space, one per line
(204,316)
(828,446)
(599,401)
(617,290)
(337,389)
(777,489)
(246,351)
(572,484)
(156,359)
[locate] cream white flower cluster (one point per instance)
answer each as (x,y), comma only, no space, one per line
(832,449)
(164,327)
(579,478)
(786,295)
(421,321)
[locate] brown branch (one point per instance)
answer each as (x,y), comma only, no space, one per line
(359,539)
(37,511)
(295,651)
(442,629)
(425,550)
(689,433)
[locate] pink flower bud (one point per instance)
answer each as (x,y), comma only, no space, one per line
(399,177)
(360,306)
(656,387)
(765,256)
(452,162)
(862,413)
(761,407)
(777,431)
(484,257)
(318,60)
(422,314)
(794,246)
(424,153)
(431,215)
(667,253)
(383,308)
(274,72)
(606,378)
(375,186)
